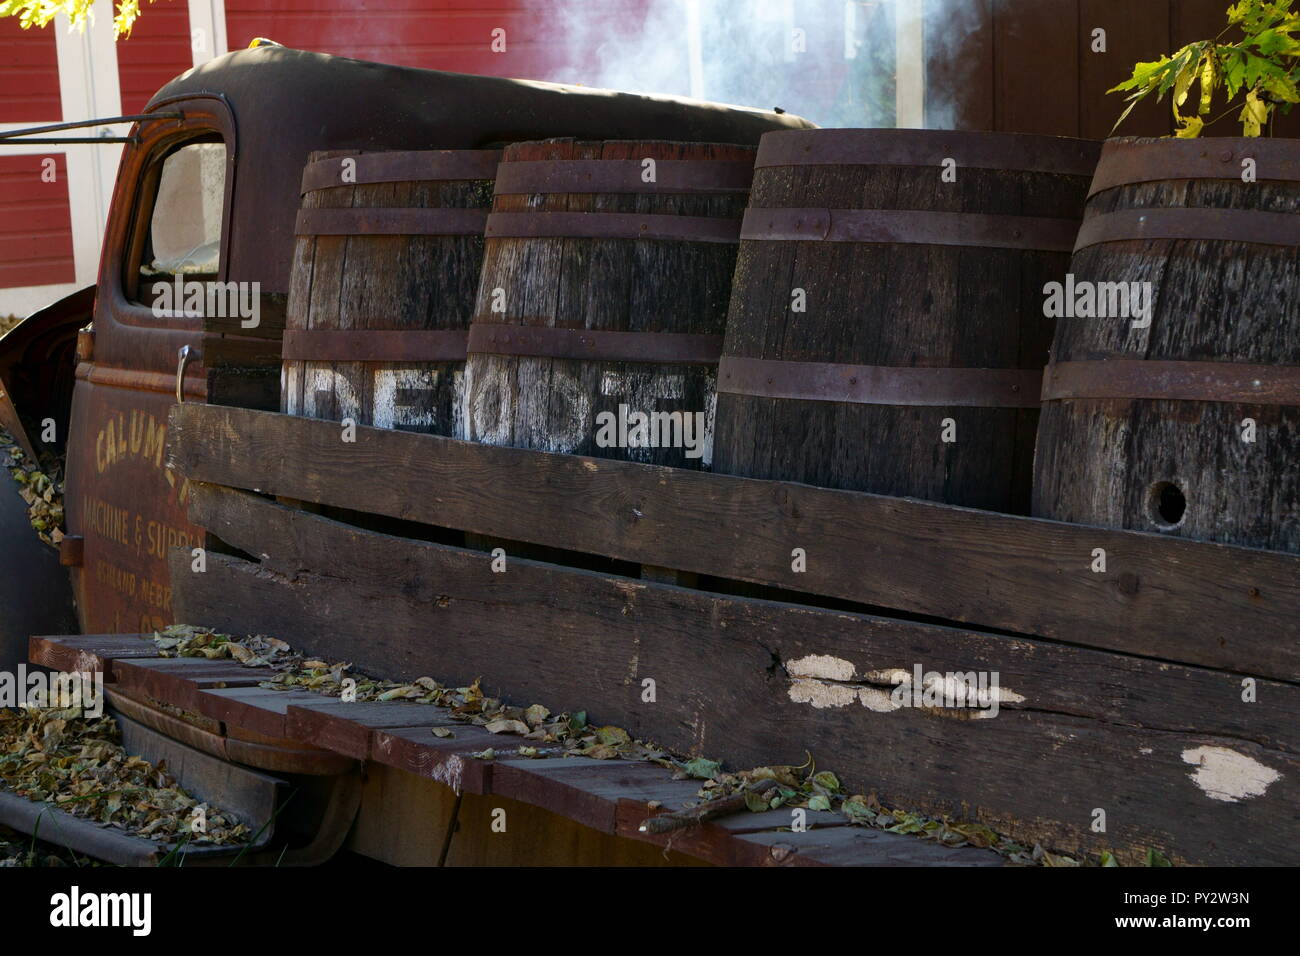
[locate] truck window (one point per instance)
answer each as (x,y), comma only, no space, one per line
(184,235)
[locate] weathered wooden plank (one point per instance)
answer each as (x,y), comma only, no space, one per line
(1216,605)
(89,652)
(859,846)
(178,680)
(717,841)
(348,728)
(589,790)
(257,709)
(1068,680)
(447,760)
(782,819)
(761,682)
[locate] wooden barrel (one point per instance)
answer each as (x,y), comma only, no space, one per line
(603,297)
(386,264)
(1185,420)
(886,331)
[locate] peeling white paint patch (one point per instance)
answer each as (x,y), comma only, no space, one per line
(460,403)
(291,388)
(448,772)
(389,383)
(710,417)
(562,422)
(822,695)
(822,667)
(890,675)
(643,385)
(881,701)
(489,401)
(326,385)
(1145,750)
(1227,775)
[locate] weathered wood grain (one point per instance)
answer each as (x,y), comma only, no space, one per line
(179,680)
(1103,460)
(622,285)
(588,790)
(384,282)
(88,652)
(448,760)
(760,683)
(349,728)
(895,305)
(1232,608)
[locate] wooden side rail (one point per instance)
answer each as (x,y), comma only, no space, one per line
(1161,597)
(1151,744)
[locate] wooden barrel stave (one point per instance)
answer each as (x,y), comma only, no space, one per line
(385,283)
(906,305)
(603,284)
(1172,465)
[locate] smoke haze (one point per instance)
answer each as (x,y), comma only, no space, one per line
(835,62)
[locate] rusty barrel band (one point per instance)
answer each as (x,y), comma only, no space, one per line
(400,167)
(1178,381)
(1218,225)
(879,384)
(390,222)
(623,176)
(374,345)
(909,226)
(547,342)
(1012,152)
(1126,163)
(610,225)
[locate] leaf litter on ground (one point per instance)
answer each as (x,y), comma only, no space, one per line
(77,764)
(41,486)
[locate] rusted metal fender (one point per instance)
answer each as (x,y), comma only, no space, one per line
(36,376)
(37,367)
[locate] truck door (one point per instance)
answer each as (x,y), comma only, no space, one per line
(168,231)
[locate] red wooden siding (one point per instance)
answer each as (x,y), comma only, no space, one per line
(157,50)
(30,91)
(35,223)
(451,35)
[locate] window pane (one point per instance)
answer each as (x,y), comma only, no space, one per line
(185,232)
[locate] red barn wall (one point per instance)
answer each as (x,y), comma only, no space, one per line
(157,50)
(35,222)
(30,92)
(453,35)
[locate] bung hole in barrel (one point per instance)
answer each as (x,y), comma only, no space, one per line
(1167,504)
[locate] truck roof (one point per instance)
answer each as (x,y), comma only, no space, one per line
(287,103)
